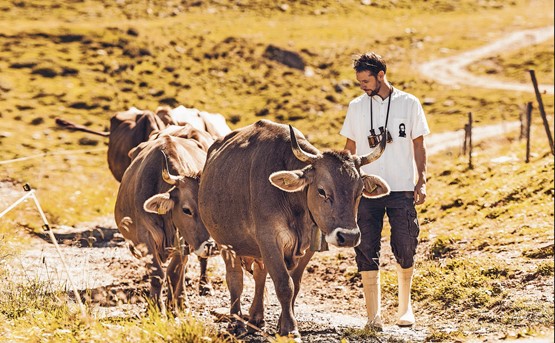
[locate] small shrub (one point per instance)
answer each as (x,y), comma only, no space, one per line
(545,269)
(366,334)
(442,336)
(460,285)
(19,300)
(541,252)
(495,271)
(441,247)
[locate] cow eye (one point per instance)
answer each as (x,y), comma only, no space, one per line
(187,211)
(322,192)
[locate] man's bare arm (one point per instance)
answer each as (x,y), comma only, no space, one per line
(420,158)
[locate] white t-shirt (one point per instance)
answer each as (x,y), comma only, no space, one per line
(396,165)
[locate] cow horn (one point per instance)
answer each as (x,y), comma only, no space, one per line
(300,153)
(169,178)
(166,176)
(374,154)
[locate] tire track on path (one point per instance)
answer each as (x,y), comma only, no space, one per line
(452,70)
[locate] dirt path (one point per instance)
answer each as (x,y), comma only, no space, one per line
(452,70)
(453,139)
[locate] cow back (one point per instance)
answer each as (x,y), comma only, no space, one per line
(215,124)
(127,130)
(187,131)
(235,190)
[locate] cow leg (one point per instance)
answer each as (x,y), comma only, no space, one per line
(204,286)
(256,311)
(177,298)
(157,277)
(285,290)
(234,280)
(297,274)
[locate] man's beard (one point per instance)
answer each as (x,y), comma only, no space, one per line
(376,90)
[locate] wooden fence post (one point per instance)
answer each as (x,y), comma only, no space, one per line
(470,166)
(465,142)
(528,126)
(522,118)
(542,111)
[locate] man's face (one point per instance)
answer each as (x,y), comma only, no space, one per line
(369,83)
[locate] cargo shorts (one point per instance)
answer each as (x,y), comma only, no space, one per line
(401,213)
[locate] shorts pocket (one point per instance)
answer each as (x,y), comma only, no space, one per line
(414,227)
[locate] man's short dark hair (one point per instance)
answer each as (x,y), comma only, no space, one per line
(370,61)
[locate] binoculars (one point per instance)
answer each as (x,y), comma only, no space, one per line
(375,139)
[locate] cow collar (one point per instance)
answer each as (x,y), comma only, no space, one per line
(317,238)
(311,217)
(307,207)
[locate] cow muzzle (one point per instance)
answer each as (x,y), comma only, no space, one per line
(207,249)
(344,237)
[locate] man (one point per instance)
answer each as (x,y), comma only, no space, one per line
(384,108)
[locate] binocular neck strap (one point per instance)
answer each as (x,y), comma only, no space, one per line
(387,113)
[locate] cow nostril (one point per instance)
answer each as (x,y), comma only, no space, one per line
(340,239)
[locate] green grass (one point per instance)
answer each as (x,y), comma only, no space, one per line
(53,321)
(488,236)
(511,200)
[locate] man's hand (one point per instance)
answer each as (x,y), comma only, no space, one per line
(420,193)
(420,159)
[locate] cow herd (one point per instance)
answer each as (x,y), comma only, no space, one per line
(258,192)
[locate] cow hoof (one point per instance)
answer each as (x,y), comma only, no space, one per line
(178,306)
(188,281)
(256,326)
(206,290)
(237,329)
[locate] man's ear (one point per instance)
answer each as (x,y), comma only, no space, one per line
(289,180)
(374,186)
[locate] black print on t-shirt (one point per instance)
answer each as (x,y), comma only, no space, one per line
(402,130)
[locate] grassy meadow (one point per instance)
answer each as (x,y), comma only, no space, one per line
(510,65)
(487,233)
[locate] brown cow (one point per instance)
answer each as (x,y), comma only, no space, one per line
(160,211)
(130,128)
(127,130)
(262,194)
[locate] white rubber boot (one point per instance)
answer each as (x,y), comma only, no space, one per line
(404,313)
(372,296)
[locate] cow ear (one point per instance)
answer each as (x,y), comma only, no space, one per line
(136,150)
(133,153)
(289,181)
(159,204)
(374,186)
